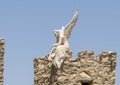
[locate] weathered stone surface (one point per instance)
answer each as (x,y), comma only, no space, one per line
(84,69)
(2,42)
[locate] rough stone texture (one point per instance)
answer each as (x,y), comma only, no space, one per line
(85,70)
(1,60)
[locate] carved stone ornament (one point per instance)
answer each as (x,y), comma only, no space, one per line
(61,47)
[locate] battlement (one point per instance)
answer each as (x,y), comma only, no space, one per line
(2,42)
(85,70)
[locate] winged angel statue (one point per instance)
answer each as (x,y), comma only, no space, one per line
(59,49)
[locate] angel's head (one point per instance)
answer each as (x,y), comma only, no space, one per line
(59,32)
(56,33)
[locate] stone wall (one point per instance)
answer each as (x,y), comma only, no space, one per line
(85,70)
(1,60)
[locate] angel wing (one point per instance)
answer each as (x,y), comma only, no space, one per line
(68,28)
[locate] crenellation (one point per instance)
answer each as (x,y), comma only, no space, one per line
(86,56)
(96,71)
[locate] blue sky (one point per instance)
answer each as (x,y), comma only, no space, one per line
(27,27)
